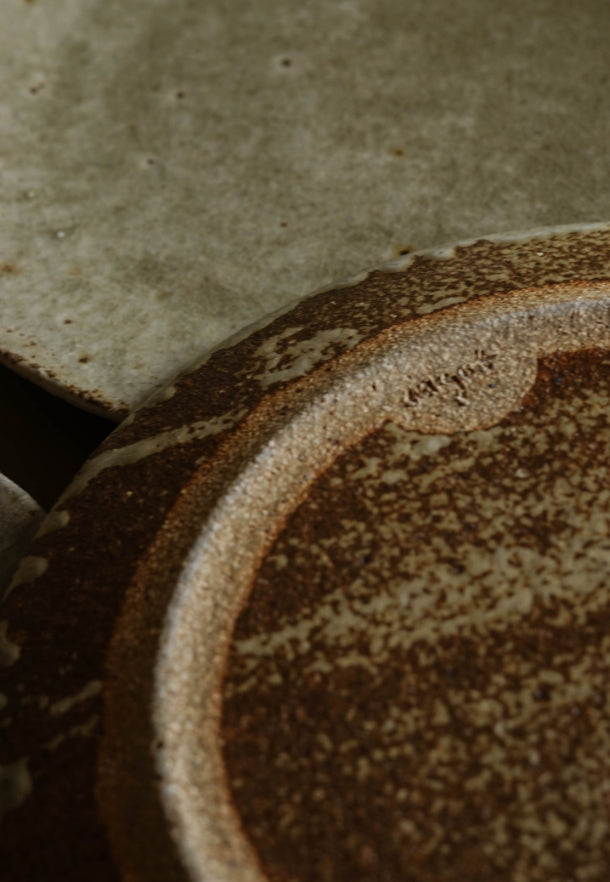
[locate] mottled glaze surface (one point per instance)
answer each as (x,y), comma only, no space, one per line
(116,757)
(416,688)
(173,170)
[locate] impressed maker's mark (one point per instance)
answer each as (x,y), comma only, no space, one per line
(483,363)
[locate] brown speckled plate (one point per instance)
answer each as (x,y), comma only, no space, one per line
(334,606)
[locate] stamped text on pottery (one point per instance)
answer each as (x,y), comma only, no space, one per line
(430,386)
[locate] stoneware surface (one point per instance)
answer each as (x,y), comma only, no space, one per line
(173,170)
(20,515)
(335,605)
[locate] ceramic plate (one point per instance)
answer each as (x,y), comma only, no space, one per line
(174,170)
(335,605)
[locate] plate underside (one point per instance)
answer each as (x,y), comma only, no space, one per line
(416,687)
(334,605)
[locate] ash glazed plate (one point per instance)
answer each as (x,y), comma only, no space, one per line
(174,170)
(335,605)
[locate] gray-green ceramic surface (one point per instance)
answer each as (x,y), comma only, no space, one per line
(172,171)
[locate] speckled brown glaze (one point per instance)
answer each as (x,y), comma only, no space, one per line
(119,622)
(416,688)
